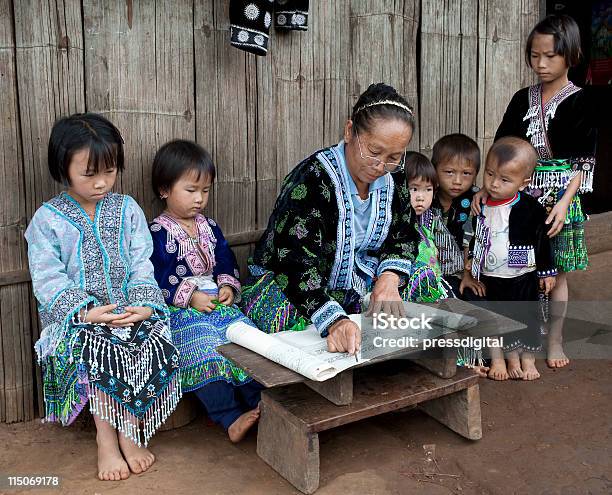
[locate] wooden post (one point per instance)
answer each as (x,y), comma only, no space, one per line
(225,117)
(443,367)
(286,446)
(503,27)
(459,411)
(383,48)
(186,411)
(139,68)
(38,66)
(449,70)
(443,362)
(338,390)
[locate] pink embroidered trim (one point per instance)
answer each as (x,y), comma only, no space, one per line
(201,257)
(183,294)
(225,279)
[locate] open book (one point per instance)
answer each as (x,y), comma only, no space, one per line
(306,352)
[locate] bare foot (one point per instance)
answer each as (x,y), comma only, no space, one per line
(481,371)
(238,428)
(138,458)
(556,356)
(530,371)
(111,465)
(514,365)
(498,369)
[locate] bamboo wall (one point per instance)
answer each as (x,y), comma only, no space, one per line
(165,69)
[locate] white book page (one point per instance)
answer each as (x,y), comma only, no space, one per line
(304,352)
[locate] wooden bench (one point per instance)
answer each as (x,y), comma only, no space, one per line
(440,361)
(338,390)
(294,409)
(186,411)
(293,415)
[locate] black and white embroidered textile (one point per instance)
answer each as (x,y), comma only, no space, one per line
(250,21)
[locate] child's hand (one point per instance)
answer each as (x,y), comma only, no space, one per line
(202,302)
(133,314)
(102,314)
(226,295)
(557,218)
(469,282)
(547,284)
(480,197)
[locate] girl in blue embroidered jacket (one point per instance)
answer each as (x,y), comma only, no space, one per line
(105,338)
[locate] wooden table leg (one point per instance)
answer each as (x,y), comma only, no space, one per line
(338,390)
(459,411)
(442,363)
(286,446)
(186,411)
(442,367)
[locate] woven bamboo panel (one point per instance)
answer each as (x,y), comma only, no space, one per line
(162,70)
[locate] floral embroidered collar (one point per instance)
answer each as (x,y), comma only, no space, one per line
(199,254)
(539,116)
(381,194)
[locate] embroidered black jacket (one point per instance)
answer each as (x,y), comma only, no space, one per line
(527,230)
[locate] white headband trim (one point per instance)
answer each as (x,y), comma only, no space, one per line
(386,102)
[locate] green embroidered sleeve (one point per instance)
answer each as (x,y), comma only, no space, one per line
(399,250)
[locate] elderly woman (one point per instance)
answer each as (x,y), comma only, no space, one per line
(341,227)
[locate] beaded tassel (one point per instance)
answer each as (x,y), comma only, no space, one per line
(469,357)
(550,113)
(532,112)
(544,304)
(586,184)
(548,179)
(135,368)
(138,431)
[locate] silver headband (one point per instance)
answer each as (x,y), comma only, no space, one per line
(386,102)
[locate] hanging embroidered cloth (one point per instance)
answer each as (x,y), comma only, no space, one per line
(250,21)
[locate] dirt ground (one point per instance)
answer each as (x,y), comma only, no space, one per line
(552,436)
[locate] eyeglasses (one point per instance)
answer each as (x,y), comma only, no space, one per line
(390,167)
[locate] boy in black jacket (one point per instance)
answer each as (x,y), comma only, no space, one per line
(510,252)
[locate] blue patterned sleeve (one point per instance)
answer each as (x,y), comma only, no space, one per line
(56,293)
(226,268)
(60,299)
(142,288)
